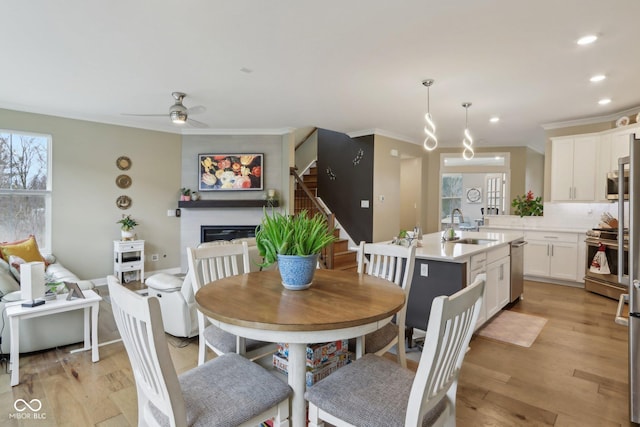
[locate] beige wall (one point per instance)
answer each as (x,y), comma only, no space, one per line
(84,212)
(534,174)
(387,179)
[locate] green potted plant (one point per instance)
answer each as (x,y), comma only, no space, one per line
(185,194)
(295,242)
(127,224)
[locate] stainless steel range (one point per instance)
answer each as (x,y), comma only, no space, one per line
(606,284)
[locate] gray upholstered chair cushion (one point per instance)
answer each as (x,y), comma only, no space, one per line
(226,342)
(227,391)
(378,339)
(371,392)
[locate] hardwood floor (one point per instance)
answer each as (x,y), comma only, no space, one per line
(574,374)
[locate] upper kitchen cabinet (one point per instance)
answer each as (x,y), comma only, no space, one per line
(573,166)
(613,145)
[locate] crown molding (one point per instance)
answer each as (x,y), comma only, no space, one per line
(267,131)
(590,120)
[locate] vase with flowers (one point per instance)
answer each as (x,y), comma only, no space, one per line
(528,205)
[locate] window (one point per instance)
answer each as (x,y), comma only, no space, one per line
(451,194)
(25,187)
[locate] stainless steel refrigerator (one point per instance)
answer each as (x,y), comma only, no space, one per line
(632,279)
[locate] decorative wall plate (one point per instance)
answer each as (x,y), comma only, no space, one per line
(123,181)
(123,202)
(622,121)
(123,163)
(474,195)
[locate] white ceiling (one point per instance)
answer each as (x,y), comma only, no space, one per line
(347,66)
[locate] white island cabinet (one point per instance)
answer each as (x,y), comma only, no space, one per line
(443,268)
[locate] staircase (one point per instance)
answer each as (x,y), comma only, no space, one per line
(343,258)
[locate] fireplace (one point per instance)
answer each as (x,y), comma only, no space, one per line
(209,233)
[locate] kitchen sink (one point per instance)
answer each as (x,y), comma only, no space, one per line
(470,241)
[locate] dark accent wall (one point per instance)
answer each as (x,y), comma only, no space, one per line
(345,177)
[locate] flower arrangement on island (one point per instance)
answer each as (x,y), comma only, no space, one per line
(528,205)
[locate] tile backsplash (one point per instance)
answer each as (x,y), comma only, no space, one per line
(570,216)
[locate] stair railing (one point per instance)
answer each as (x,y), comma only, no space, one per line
(310,202)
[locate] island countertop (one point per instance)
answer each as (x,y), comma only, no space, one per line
(435,249)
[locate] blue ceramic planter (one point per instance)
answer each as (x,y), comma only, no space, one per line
(297,271)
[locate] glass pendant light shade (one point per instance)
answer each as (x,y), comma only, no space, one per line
(430,142)
(467,141)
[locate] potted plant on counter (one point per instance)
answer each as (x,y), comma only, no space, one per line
(295,242)
(528,205)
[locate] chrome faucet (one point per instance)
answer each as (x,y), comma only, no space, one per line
(459,212)
(450,233)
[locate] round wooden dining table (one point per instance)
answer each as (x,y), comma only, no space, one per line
(338,305)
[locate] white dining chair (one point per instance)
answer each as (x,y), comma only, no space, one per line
(376,392)
(207,263)
(226,391)
(394,263)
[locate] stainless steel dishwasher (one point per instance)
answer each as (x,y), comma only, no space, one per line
(517,269)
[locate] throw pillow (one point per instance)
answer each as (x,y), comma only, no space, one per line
(15,262)
(25,249)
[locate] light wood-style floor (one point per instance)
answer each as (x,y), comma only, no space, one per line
(575,374)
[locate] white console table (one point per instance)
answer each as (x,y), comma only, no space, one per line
(16,312)
(128,260)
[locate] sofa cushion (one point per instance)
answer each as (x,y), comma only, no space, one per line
(26,249)
(164,282)
(8,283)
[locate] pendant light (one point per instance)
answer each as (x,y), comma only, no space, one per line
(430,142)
(467,141)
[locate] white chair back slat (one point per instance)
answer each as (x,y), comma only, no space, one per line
(137,317)
(396,264)
(451,323)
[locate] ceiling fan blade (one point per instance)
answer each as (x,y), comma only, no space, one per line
(197,124)
(146,115)
(198,109)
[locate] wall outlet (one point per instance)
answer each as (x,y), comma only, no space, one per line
(424,270)
(155,257)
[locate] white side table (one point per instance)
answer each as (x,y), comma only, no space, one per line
(16,312)
(128,260)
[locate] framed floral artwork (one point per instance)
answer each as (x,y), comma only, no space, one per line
(230,172)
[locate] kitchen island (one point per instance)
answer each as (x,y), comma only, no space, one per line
(443,268)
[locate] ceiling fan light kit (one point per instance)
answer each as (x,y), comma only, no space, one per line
(178,113)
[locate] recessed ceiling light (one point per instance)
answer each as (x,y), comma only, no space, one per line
(587,39)
(597,78)
(604,101)
(494,119)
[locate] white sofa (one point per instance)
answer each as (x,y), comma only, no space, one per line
(43,332)
(177,301)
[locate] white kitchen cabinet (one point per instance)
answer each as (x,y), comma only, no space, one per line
(573,163)
(552,255)
(498,281)
(478,265)
(496,265)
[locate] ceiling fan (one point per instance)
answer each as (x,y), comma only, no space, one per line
(178,113)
